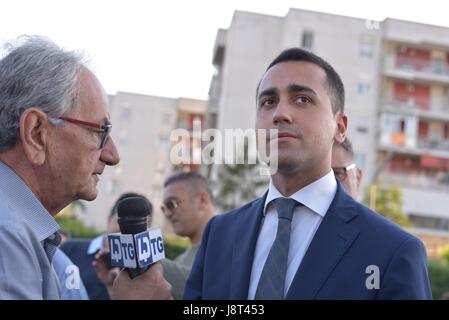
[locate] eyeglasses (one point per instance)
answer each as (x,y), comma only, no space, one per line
(173,203)
(170,204)
(342,172)
(105,129)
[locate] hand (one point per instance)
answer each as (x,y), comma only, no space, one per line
(151,285)
(106,276)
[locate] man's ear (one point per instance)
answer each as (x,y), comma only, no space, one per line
(34,134)
(342,127)
(359,175)
(204,198)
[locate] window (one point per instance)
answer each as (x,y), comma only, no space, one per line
(126,112)
(362,129)
(429,222)
(166,119)
(307,40)
(363,88)
(123,135)
(366,47)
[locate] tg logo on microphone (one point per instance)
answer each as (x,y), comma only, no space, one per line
(138,250)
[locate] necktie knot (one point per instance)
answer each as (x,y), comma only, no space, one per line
(285,207)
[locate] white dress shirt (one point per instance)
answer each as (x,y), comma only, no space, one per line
(316,199)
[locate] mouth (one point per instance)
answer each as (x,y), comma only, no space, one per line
(283,136)
(97,175)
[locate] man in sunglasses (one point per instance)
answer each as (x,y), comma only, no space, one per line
(54,145)
(188,206)
(345,169)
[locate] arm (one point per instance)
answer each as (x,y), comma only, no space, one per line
(176,274)
(194,285)
(406,275)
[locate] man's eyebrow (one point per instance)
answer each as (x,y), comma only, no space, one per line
(268,92)
(300,88)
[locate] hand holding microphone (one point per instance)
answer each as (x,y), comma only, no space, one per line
(136,249)
(151,285)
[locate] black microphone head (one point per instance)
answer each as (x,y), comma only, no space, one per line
(132,214)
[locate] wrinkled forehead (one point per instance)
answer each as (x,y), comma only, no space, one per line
(92,99)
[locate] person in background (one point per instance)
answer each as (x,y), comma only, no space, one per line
(187,204)
(345,169)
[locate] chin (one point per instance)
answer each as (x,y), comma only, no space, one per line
(88,195)
(288,164)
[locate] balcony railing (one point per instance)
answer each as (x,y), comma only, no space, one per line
(433,180)
(431,67)
(415,107)
(434,144)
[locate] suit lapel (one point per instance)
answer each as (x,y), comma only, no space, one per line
(247,226)
(332,239)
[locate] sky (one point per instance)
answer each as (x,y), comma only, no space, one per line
(164,47)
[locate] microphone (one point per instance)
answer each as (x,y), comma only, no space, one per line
(135,248)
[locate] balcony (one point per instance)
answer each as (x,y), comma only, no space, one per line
(434,144)
(433,70)
(412,107)
(399,143)
(419,180)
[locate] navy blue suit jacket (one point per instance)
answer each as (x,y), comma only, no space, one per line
(350,238)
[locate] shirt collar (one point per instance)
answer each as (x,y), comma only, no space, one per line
(316,196)
(19,196)
(95,245)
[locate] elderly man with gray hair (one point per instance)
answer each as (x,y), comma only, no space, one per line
(54,145)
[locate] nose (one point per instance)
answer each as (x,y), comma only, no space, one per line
(109,153)
(282,113)
(167,212)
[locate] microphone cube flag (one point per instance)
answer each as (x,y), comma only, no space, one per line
(132,250)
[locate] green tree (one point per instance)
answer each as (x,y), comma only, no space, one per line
(439,278)
(387,200)
(444,254)
(238,184)
(69,221)
(175,245)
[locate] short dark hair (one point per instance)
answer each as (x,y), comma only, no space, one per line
(191,177)
(346,145)
(335,87)
(125,196)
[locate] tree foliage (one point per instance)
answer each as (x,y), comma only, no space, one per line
(388,202)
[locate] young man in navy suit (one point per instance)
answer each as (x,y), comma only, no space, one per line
(306,238)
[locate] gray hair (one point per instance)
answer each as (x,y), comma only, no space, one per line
(35,72)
